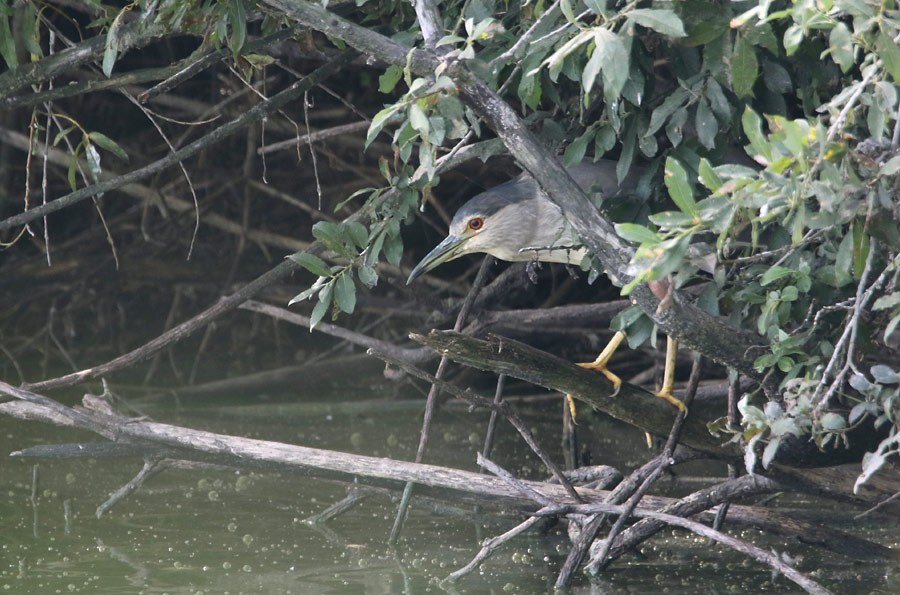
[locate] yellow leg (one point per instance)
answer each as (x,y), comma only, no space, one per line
(599,365)
(602,360)
(669,376)
(570,403)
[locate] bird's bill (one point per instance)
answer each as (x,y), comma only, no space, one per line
(446,250)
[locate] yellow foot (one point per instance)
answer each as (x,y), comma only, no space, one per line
(599,364)
(675,401)
(669,376)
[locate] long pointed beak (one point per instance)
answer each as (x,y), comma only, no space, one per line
(446,250)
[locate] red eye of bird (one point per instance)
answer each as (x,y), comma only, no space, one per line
(475,223)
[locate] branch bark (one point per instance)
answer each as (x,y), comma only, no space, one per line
(632,404)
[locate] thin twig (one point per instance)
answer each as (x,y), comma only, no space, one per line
(151,467)
(489,546)
(433,395)
(761,555)
(501,408)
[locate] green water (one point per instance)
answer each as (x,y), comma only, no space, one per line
(226,531)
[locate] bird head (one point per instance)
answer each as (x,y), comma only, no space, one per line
(516,222)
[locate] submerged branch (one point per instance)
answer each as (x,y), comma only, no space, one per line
(442,482)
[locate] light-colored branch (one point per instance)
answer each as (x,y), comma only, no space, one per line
(195,445)
(430,21)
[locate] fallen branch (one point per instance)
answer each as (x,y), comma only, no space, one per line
(632,404)
(441,482)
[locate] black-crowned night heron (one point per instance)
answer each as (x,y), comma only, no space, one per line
(516,222)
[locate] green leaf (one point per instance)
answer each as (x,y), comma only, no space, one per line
(393,249)
(345,293)
(774,274)
(566,6)
(744,67)
(889,53)
(615,59)
(679,188)
(884,374)
(390,78)
(304,295)
(660,20)
(70,175)
(841,46)
(358,232)
(591,70)
(672,220)
(62,134)
(237,17)
(574,153)
(707,125)
(108,144)
(110,51)
(378,122)
(843,260)
(833,422)
(769,452)
(31,29)
(418,119)
(367,275)
(717,100)
(311,263)
(708,176)
(8,43)
(637,233)
(321,308)
(673,101)
(332,235)
(887,302)
(860,248)
(752,125)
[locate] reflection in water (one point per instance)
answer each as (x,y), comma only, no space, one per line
(214,530)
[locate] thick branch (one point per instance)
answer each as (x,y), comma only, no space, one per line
(632,405)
